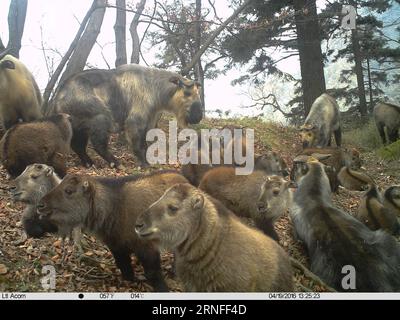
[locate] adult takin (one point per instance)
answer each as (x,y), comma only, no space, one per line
(387,116)
(214,250)
(108,208)
(29,187)
(335,240)
(44,141)
(20,98)
(131,98)
(322,120)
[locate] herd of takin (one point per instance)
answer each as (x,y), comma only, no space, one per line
(194,213)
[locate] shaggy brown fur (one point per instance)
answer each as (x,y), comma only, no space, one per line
(108,208)
(132,97)
(44,141)
(258,196)
(214,251)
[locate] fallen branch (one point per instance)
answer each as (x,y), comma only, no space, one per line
(299,266)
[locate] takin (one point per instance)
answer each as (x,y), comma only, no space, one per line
(44,141)
(214,251)
(108,208)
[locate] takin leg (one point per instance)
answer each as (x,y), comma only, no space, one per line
(267,226)
(58,162)
(136,135)
(123,261)
(381,130)
(100,136)
(338,137)
(150,259)
(393,135)
(79,143)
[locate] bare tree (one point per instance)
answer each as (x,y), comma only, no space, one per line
(213,35)
(53,80)
(199,71)
(135,57)
(85,44)
(120,33)
(16,23)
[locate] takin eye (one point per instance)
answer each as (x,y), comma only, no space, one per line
(172,209)
(34,177)
(68,191)
(275,191)
(188,93)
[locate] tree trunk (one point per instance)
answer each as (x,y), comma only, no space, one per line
(199,72)
(16,23)
(2,47)
(371,95)
(120,34)
(309,46)
(212,36)
(85,44)
(135,57)
(362,107)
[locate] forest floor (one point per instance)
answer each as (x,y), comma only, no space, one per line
(94,270)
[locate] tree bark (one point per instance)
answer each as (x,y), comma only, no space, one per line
(53,80)
(2,47)
(362,107)
(85,44)
(197,44)
(371,95)
(309,46)
(16,23)
(120,34)
(135,57)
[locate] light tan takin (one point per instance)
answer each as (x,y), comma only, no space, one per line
(214,251)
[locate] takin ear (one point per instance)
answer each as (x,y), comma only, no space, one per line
(176,80)
(49,171)
(197,201)
(86,186)
(320,156)
(291,184)
(7,64)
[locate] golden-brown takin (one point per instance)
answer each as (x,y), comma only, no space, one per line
(375,214)
(44,141)
(214,251)
(108,208)
(258,196)
(20,98)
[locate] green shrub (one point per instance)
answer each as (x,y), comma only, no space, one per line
(366,136)
(390,152)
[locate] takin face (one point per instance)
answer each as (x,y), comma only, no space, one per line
(168,221)
(68,204)
(30,187)
(308,135)
(32,184)
(271,163)
(275,197)
(186,102)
